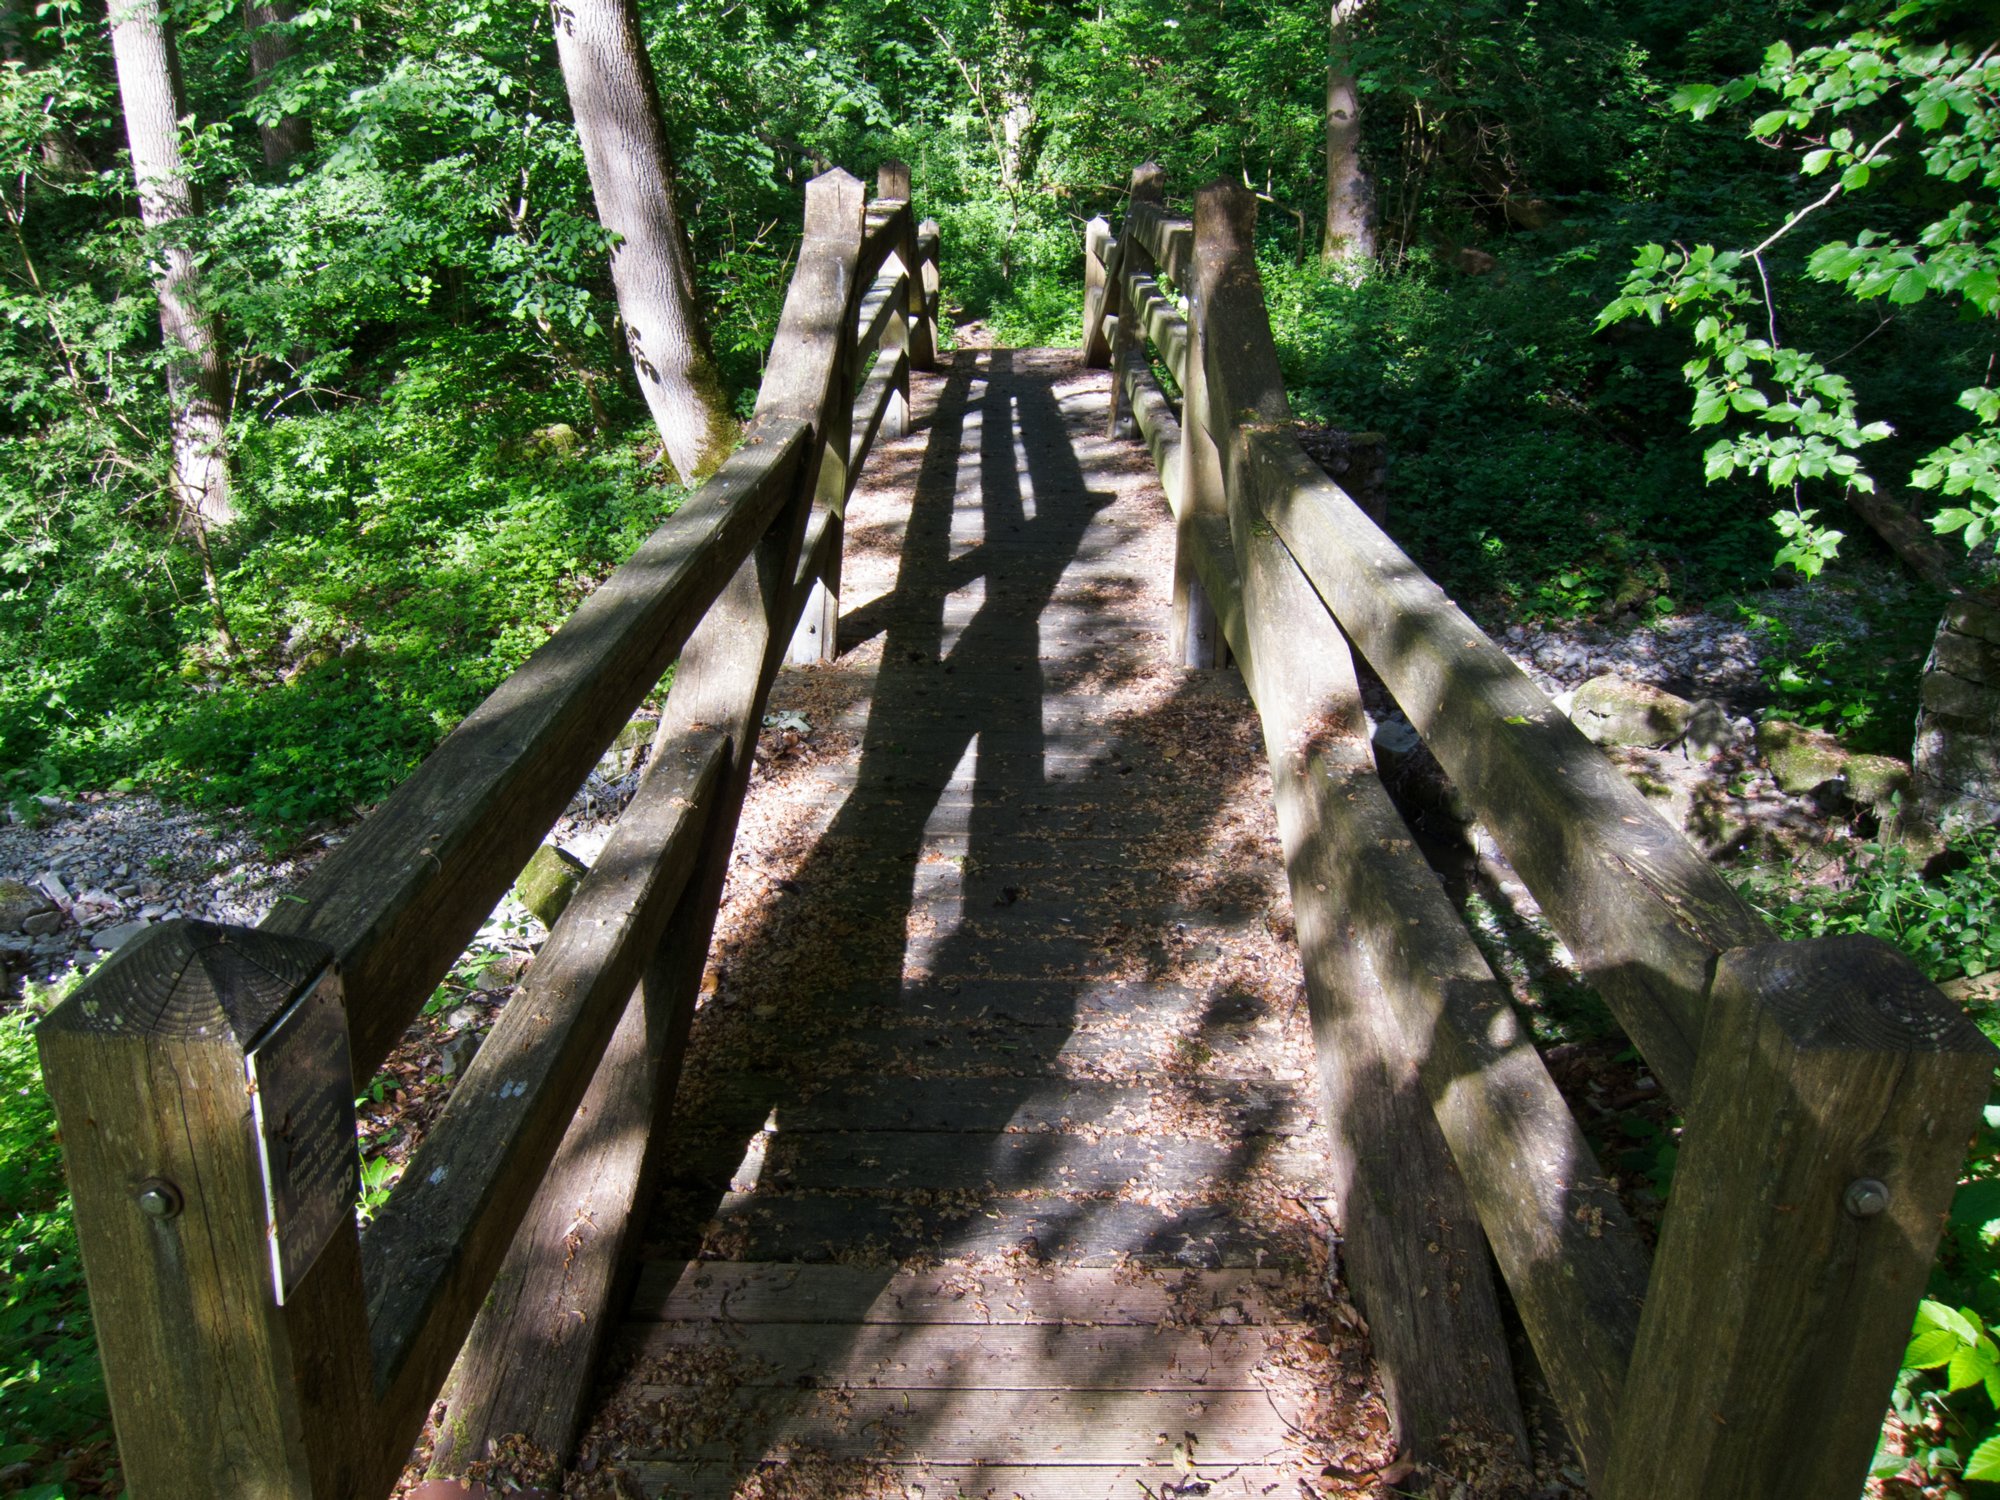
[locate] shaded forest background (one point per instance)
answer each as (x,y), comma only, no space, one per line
(437,444)
(438,447)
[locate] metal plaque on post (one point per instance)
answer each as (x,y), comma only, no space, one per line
(302,1096)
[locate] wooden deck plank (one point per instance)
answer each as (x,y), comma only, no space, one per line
(951,1356)
(895,1161)
(982,1426)
(984,1106)
(749,1292)
(816,1227)
(942,1481)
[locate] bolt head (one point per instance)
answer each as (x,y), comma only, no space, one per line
(159,1198)
(1866,1197)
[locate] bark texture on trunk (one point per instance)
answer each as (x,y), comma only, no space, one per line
(271,45)
(1955,762)
(616,102)
(1350,195)
(197,378)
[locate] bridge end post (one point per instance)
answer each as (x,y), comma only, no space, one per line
(203,1084)
(1833,1096)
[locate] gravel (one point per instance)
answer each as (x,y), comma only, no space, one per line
(110,865)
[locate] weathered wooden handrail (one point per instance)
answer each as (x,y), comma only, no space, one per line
(1829,1089)
(256,1341)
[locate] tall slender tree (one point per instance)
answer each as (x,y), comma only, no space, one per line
(615,99)
(1350,195)
(272,44)
(149,86)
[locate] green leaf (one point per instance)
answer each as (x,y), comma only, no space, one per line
(1816,162)
(1697,99)
(1984,1462)
(1855,177)
(1970,1366)
(1953,1319)
(1771,123)
(1835,261)
(1911,285)
(1931,1349)
(1932,112)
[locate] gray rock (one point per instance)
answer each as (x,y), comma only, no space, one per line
(41,923)
(18,902)
(1396,739)
(625,750)
(1875,780)
(1801,760)
(501,973)
(1710,729)
(1956,757)
(1611,710)
(549,880)
(464,1016)
(110,939)
(456,1053)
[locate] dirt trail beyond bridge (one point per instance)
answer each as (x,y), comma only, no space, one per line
(1001,1169)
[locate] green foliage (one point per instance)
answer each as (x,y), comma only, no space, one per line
(1949,1389)
(1902,92)
(51,1389)
(1816,677)
(1524,473)
(1948,922)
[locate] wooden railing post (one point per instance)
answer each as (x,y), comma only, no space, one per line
(1197,638)
(892,184)
(1148,187)
(816,638)
(726,673)
(1833,1097)
(1100,291)
(202,1081)
(924,288)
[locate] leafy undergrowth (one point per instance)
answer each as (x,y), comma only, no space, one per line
(393,564)
(55,1433)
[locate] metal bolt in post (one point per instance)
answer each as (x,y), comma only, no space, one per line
(1866,1197)
(159,1198)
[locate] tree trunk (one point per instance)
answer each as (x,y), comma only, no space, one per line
(1350,195)
(272,44)
(1955,761)
(616,102)
(197,379)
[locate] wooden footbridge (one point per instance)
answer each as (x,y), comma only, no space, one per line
(1056,1073)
